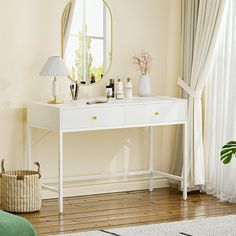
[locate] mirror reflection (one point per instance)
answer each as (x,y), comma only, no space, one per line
(86,39)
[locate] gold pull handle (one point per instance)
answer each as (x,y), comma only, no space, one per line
(157,113)
(94,117)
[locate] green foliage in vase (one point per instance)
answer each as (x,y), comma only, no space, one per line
(228,152)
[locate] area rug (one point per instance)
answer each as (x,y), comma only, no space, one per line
(214,226)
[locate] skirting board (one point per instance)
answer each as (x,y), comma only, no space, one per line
(78,189)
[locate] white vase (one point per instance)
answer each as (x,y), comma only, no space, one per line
(144,86)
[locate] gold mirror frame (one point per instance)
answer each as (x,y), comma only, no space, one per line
(111,38)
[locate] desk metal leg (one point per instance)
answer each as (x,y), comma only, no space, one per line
(151,158)
(29,147)
(185,146)
(60,171)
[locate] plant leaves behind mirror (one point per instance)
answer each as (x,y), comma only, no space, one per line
(228,151)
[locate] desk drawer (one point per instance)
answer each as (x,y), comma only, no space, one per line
(92,117)
(154,113)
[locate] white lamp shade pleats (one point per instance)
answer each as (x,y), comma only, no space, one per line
(54,66)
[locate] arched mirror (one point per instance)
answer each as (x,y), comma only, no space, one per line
(87,39)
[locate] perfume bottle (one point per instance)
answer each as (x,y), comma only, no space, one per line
(112,86)
(108,91)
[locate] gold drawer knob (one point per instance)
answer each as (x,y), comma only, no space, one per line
(157,113)
(94,117)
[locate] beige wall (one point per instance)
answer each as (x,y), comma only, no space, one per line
(30,32)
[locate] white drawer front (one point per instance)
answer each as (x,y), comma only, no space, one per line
(92,117)
(155,113)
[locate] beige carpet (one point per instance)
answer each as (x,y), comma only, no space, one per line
(214,226)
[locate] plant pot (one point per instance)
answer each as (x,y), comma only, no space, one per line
(144,86)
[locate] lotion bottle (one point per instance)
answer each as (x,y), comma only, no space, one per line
(129,89)
(119,90)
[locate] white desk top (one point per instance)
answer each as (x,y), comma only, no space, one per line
(113,102)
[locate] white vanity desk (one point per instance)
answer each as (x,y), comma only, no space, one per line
(116,114)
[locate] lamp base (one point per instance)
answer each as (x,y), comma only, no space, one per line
(55,92)
(55,101)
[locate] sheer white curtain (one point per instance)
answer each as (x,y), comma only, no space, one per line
(220,110)
(200,27)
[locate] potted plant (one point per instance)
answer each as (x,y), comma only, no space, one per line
(228,152)
(143,63)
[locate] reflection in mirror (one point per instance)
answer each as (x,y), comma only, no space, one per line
(86,39)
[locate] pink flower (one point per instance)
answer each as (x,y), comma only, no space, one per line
(143,62)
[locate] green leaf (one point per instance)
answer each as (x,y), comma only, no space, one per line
(228,151)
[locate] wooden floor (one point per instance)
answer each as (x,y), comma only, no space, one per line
(125,209)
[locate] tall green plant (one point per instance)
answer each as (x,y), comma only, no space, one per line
(228,152)
(79,55)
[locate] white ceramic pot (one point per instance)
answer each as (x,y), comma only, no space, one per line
(144,86)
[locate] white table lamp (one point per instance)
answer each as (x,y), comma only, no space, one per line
(55,67)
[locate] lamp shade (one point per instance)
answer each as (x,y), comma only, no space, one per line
(54,66)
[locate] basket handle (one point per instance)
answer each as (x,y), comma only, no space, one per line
(2,167)
(39,172)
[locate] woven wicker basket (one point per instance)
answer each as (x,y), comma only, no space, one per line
(20,190)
